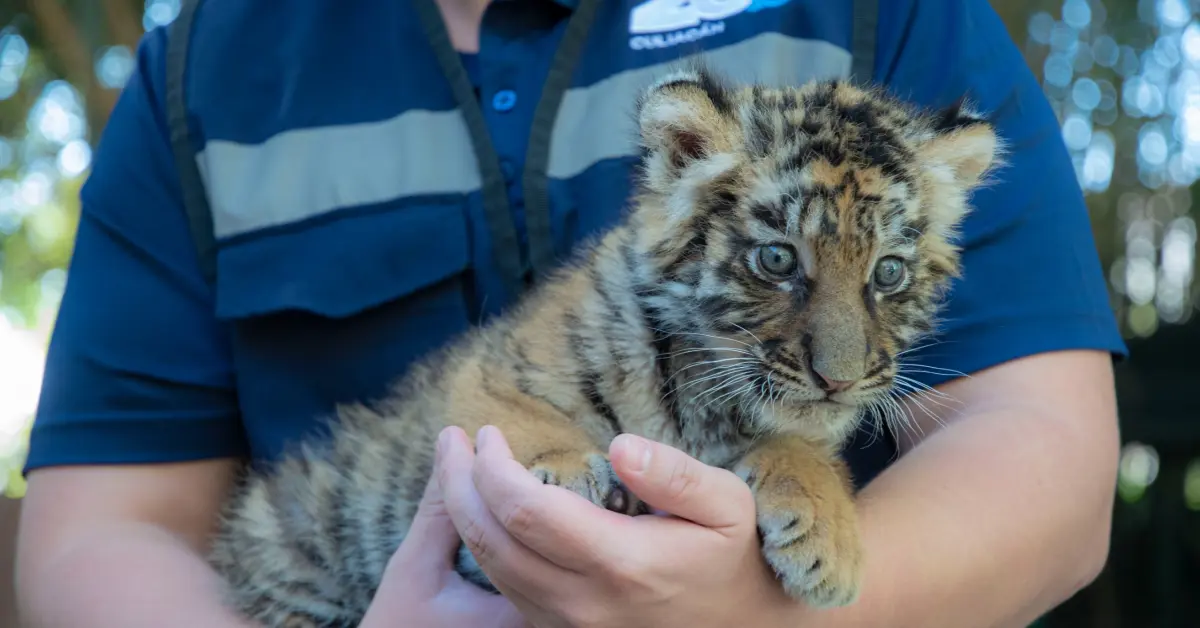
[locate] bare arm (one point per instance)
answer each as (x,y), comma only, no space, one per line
(121,547)
(1003,513)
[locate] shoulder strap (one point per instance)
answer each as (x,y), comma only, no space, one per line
(862,46)
(519,273)
(195,199)
(536,181)
(505,244)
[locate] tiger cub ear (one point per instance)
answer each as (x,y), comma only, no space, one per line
(964,144)
(963,149)
(685,117)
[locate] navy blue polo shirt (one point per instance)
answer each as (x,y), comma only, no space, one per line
(348,212)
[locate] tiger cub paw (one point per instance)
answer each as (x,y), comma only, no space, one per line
(812,544)
(588,474)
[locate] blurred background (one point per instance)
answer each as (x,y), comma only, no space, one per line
(1122,75)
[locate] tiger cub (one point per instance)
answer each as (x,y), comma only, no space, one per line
(784,248)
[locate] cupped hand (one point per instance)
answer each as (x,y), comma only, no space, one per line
(565,562)
(420,588)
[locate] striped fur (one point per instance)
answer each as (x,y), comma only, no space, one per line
(676,325)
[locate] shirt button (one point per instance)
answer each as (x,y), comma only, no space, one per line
(508,169)
(504,100)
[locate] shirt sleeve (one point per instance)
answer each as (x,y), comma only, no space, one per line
(138,368)
(1032,280)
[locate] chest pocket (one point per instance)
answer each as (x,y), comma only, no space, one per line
(332,311)
(336,255)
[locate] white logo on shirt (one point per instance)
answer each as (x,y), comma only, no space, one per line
(666,23)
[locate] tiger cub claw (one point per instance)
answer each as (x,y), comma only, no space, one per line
(591,476)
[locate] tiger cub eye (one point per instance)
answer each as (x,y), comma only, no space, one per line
(777,259)
(889,273)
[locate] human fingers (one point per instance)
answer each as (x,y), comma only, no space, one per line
(670,480)
(565,528)
(507,563)
(432,540)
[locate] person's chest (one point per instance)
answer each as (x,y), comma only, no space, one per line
(349,204)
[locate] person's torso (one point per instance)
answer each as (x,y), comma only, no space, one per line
(347,199)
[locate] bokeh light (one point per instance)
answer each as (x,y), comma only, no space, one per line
(114,66)
(1137,471)
(1129,104)
(159,13)
(20,383)
(14,54)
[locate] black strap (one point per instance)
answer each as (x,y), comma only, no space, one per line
(495,191)
(537,160)
(536,183)
(862,47)
(195,200)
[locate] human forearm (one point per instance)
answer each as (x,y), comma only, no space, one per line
(990,522)
(127,576)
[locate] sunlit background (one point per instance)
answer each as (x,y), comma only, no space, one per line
(1124,78)
(1122,75)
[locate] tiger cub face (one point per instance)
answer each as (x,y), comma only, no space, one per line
(806,231)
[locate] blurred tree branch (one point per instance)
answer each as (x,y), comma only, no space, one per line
(67,45)
(124,22)
(69,48)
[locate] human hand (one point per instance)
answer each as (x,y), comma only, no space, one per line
(420,588)
(565,562)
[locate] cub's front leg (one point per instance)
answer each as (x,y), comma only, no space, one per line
(560,452)
(806,519)
(557,452)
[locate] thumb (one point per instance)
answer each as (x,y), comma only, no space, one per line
(670,480)
(432,539)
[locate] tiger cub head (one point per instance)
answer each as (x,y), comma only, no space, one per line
(801,236)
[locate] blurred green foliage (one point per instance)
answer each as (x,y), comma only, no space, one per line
(42,239)
(58,44)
